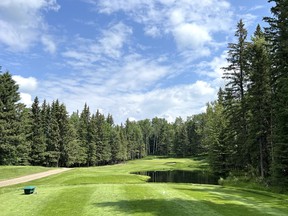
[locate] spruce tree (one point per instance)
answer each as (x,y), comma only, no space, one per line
(63,122)
(53,136)
(92,142)
(259,104)
(214,138)
(9,119)
(103,148)
(277,35)
(235,97)
(37,138)
(77,154)
(24,148)
(82,131)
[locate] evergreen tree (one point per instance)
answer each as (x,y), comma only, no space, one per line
(116,145)
(24,148)
(53,135)
(124,143)
(277,35)
(235,100)
(82,130)
(37,138)
(63,123)
(181,141)
(102,143)
(77,154)
(193,137)
(92,141)
(135,144)
(219,152)
(9,119)
(259,104)
(166,139)
(146,129)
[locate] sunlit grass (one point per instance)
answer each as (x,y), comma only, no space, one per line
(111,190)
(8,172)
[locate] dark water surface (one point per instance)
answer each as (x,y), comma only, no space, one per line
(180,176)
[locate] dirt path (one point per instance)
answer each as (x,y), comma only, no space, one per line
(31,177)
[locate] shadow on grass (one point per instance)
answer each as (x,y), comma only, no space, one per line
(257,199)
(181,207)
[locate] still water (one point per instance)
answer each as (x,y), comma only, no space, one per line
(181,176)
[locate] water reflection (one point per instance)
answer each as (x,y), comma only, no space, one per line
(180,176)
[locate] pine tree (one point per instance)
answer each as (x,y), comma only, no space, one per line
(103,148)
(53,137)
(146,129)
(77,155)
(235,100)
(193,137)
(82,130)
(115,143)
(63,122)
(92,141)
(9,119)
(181,141)
(37,138)
(259,104)
(219,151)
(277,35)
(24,148)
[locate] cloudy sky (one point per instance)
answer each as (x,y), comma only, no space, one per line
(132,58)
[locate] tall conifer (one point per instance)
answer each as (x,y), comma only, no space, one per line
(277,35)
(9,119)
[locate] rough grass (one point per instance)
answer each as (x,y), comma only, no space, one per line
(111,190)
(9,172)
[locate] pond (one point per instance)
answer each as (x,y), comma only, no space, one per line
(181,176)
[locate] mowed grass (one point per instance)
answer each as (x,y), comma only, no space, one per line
(111,190)
(9,172)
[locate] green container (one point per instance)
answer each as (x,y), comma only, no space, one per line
(29,189)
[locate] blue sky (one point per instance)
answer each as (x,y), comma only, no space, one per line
(134,59)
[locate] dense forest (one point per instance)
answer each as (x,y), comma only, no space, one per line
(245,130)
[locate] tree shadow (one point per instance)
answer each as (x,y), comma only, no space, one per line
(181,207)
(257,199)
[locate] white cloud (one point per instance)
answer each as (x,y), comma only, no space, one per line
(191,23)
(213,70)
(49,45)
(136,74)
(152,31)
(26,84)
(88,52)
(257,7)
(26,99)
(170,102)
(191,36)
(113,40)
(21,22)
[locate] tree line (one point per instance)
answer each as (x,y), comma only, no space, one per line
(244,131)
(46,135)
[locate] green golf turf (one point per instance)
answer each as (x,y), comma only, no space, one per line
(111,190)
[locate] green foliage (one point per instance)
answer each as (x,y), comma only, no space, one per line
(259,104)
(244,131)
(277,35)
(10,120)
(235,96)
(37,137)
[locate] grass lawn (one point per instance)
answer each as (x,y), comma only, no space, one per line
(111,190)
(9,172)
